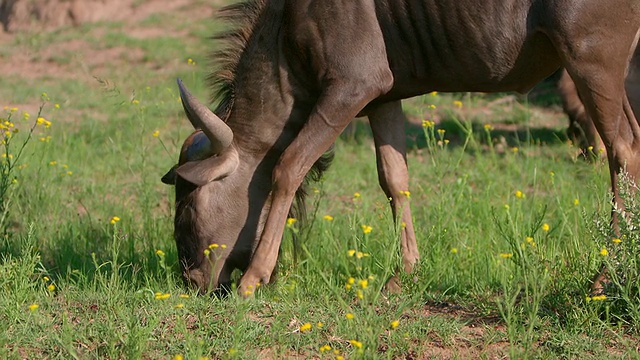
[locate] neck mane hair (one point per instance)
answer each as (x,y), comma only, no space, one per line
(242,18)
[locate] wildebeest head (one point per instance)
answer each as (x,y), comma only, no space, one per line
(207,209)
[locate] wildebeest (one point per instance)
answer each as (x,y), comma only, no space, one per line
(296,73)
(582,130)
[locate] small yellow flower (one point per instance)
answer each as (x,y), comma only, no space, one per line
(26,115)
(356,343)
(162,296)
(160,253)
(324,348)
(599,297)
(356,195)
(319,324)
(576,202)
(366,229)
(616,241)
(347,286)
(488,127)
(351,252)
(363,283)
(349,316)
(57,106)
(53,162)
(406,193)
(351,281)
(184,296)
(441,132)
(338,357)
(214,246)
(506,255)
(515,149)
(433,93)
(432,106)
(361,254)
(590,148)
(604,252)
(46,278)
(179,306)
(291,221)
(306,327)
(206,252)
(394,324)
(454,250)
(51,287)
(135,101)
(328,217)
(178,357)
(545,227)
(156,133)
(428,124)
(458,104)
(114,220)
(33,307)
(519,194)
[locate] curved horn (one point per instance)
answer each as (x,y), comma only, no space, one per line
(200,116)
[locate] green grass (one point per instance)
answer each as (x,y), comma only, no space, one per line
(481,290)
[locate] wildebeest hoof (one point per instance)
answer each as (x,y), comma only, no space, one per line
(393,285)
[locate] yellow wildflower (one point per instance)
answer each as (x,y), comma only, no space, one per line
(179,306)
(488,127)
(306,327)
(351,281)
(515,149)
(394,324)
(156,133)
(506,255)
(291,221)
(51,287)
(454,250)
(458,104)
(604,252)
(366,229)
(324,348)
(114,220)
(599,297)
(351,252)
(178,357)
(206,252)
(349,316)
(427,123)
(160,253)
(214,246)
(616,241)
(406,193)
(363,283)
(162,296)
(441,131)
(519,194)
(356,195)
(33,307)
(361,254)
(576,202)
(184,296)
(545,227)
(355,343)
(328,217)
(433,93)
(319,324)
(57,106)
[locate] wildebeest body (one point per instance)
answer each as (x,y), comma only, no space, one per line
(298,71)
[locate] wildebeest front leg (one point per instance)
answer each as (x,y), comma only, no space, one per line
(337,106)
(387,123)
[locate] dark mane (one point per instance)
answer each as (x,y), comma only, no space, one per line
(241,19)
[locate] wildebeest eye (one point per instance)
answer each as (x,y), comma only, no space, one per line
(170,177)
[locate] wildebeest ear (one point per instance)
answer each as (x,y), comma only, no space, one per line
(170,177)
(213,168)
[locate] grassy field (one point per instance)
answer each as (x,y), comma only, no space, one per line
(511,224)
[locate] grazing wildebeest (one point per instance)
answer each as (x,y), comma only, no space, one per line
(582,130)
(297,72)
